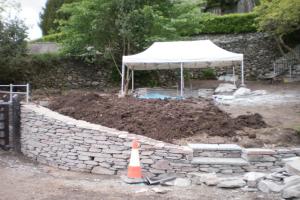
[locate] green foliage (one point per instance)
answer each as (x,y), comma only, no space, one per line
(12,47)
(50,17)
(56,37)
(116,26)
(279,17)
(231,23)
(208,74)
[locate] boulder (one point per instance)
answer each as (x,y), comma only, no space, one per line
(182,182)
(252,178)
(277,176)
(293,167)
(209,179)
(231,183)
(292,180)
(225,87)
(291,192)
(267,186)
(242,91)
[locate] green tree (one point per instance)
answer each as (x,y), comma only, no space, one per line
(49,17)
(122,27)
(279,18)
(12,47)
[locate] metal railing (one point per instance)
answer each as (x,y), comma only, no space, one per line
(286,63)
(11,92)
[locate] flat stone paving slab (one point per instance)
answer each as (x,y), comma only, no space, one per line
(219,161)
(214,147)
(293,167)
(258,151)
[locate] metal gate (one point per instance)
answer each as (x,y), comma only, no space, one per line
(10,123)
(4,125)
(10,115)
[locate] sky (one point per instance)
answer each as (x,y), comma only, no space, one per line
(29,13)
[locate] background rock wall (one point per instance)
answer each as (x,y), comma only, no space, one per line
(259,51)
(258,48)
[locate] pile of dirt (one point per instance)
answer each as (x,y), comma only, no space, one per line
(165,120)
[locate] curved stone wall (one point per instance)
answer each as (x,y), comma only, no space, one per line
(66,143)
(70,144)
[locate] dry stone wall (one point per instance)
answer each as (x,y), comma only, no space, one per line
(259,50)
(66,143)
(70,144)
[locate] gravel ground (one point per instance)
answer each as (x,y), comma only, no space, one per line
(22,179)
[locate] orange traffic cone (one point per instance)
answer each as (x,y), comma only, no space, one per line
(134,168)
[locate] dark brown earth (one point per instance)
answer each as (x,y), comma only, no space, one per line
(165,120)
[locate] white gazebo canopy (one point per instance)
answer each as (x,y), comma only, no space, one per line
(181,54)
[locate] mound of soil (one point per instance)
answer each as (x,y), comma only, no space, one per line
(165,120)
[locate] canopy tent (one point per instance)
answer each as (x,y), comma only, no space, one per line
(182,54)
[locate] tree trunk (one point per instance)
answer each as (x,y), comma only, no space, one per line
(279,46)
(288,48)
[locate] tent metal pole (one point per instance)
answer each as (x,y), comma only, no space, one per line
(242,73)
(132,79)
(182,80)
(123,76)
(233,75)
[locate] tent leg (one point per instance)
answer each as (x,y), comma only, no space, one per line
(182,80)
(132,79)
(233,75)
(242,74)
(123,77)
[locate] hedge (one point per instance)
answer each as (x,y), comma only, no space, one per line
(56,37)
(230,23)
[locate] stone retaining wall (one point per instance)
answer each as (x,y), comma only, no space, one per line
(66,143)
(70,144)
(259,50)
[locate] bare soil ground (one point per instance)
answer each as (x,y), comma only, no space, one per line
(165,120)
(194,120)
(280,109)
(23,180)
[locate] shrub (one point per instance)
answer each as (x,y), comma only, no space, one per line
(56,37)
(208,74)
(231,23)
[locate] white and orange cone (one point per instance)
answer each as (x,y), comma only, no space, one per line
(134,168)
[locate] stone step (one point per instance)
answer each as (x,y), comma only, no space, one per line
(219,161)
(213,147)
(216,150)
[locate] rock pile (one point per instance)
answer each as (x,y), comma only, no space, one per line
(279,181)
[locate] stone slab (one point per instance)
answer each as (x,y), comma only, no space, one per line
(293,167)
(218,147)
(259,151)
(219,161)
